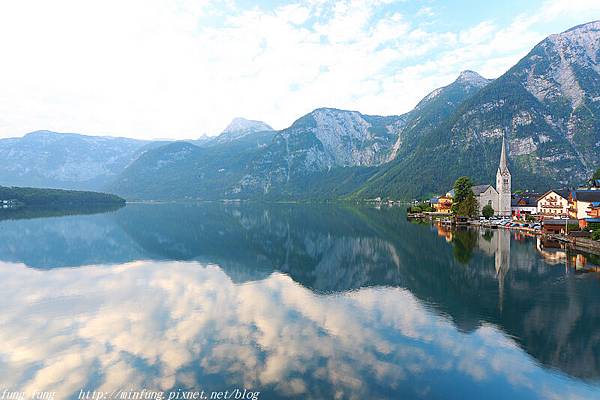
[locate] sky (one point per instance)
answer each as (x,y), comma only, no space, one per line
(184,68)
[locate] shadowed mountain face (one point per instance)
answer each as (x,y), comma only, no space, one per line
(475,278)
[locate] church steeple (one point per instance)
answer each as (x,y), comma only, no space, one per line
(503,183)
(503,167)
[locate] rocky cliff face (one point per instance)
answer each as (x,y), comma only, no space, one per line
(563,74)
(240,127)
(320,141)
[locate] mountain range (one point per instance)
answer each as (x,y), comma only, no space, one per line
(547,107)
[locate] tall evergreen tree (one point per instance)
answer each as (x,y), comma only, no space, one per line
(464,202)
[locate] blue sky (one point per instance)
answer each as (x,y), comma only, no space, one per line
(183,68)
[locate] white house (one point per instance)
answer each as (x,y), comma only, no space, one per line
(554,204)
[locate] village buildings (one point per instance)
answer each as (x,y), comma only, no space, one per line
(553,204)
(580,206)
(584,205)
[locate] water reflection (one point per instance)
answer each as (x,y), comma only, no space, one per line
(292,300)
(555,252)
(166,325)
(464,241)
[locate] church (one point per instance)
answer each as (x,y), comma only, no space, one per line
(503,185)
(500,197)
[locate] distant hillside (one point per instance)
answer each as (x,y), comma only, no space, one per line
(182,170)
(34,197)
(65,160)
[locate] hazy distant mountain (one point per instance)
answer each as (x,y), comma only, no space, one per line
(202,141)
(181,170)
(65,160)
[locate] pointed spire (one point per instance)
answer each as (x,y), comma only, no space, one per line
(503,163)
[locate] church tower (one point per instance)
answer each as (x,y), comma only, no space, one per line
(503,184)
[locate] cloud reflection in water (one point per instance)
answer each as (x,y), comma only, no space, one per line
(164,325)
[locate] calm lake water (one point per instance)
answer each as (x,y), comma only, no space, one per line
(295,302)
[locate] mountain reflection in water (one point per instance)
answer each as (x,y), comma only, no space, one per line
(295,301)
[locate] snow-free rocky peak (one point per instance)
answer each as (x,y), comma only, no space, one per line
(240,127)
(469,77)
(246,125)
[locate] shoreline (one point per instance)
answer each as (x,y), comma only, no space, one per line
(574,243)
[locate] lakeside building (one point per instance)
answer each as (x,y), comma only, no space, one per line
(484,194)
(523,205)
(584,205)
(554,204)
(442,204)
(557,226)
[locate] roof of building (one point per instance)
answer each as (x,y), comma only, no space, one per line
(524,200)
(586,195)
(434,200)
(478,189)
(562,193)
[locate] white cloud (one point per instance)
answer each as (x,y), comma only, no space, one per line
(159,68)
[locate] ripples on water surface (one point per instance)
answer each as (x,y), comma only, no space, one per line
(294,302)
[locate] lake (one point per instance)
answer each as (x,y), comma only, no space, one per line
(292,301)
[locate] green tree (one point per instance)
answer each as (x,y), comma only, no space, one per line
(595,228)
(596,175)
(487,211)
(464,202)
